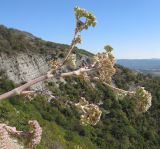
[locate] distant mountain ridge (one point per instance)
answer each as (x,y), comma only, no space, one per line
(149,66)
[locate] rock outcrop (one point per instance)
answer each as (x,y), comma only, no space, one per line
(22,67)
(24,57)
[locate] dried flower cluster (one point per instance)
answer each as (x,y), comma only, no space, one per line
(30,96)
(78,40)
(4,137)
(143,99)
(91,112)
(90,18)
(35,133)
(7,137)
(54,64)
(84,76)
(104,64)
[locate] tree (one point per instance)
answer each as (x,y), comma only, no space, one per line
(102,65)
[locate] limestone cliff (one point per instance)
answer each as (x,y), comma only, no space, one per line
(24,57)
(22,67)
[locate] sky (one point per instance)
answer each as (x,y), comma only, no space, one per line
(131,27)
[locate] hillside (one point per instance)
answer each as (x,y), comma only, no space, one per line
(121,127)
(24,56)
(146,66)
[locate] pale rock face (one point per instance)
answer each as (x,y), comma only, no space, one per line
(23,67)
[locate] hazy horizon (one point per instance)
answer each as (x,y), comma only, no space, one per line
(139,58)
(132,28)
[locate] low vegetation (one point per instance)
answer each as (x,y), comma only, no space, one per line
(120,126)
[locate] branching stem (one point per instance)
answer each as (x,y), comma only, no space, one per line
(18,90)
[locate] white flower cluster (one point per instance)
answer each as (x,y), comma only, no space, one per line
(143,99)
(104,64)
(91,112)
(72,60)
(36,133)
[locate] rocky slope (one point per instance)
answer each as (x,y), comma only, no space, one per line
(22,67)
(24,56)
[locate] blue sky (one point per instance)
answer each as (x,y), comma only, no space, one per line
(132,27)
